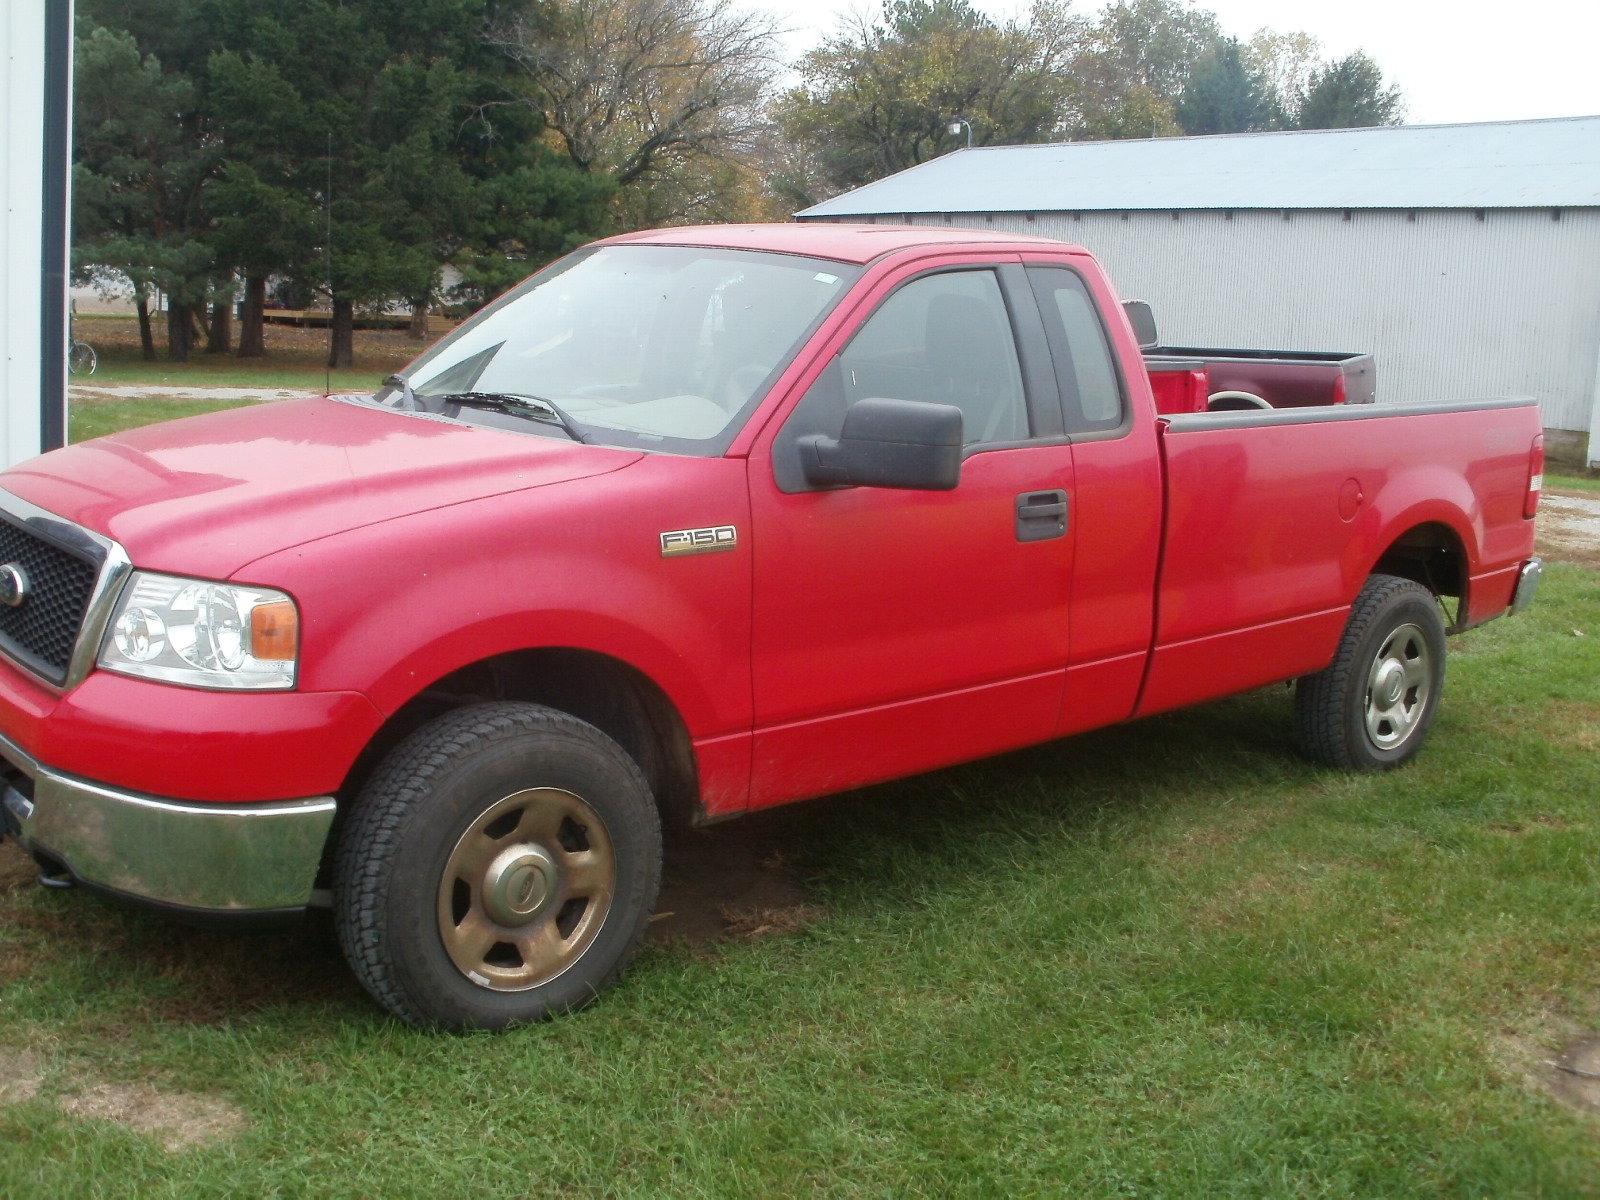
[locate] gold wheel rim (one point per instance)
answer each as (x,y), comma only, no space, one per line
(526,889)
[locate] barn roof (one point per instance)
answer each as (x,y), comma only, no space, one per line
(1499,164)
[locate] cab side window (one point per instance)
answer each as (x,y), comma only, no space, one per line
(942,339)
(1086,372)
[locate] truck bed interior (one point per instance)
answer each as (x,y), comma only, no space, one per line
(1199,379)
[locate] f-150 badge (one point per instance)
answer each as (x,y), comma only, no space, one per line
(698,541)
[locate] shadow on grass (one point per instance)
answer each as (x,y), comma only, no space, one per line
(770,873)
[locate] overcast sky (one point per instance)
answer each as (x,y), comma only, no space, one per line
(1467,61)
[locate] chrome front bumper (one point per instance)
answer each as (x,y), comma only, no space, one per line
(223,858)
(1527,584)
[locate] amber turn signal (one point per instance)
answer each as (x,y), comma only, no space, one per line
(274,631)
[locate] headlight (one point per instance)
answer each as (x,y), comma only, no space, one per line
(203,634)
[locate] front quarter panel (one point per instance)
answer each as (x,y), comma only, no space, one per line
(391,608)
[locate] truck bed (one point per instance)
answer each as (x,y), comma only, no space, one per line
(1185,377)
(1275,518)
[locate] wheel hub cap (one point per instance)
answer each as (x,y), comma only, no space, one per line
(518,885)
(526,889)
(1399,683)
(1391,681)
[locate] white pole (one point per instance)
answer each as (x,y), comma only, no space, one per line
(33,227)
(1593,454)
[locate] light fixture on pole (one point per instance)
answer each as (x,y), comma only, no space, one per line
(957,125)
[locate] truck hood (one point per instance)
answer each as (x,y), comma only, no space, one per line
(206,495)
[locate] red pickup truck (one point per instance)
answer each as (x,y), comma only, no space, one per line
(691,523)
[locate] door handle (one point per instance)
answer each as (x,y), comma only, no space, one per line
(1041,516)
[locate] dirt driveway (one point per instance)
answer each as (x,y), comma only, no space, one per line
(146,391)
(1569,527)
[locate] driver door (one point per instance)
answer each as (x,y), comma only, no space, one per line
(897,631)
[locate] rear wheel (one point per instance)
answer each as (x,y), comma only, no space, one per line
(1371,708)
(499,866)
(81,359)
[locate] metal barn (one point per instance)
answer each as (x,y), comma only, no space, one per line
(1466,257)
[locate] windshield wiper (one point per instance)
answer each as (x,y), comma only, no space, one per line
(534,408)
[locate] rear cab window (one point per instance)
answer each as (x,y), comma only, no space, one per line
(1092,396)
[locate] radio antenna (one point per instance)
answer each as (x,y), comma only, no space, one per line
(327,270)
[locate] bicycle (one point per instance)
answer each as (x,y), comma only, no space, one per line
(81,357)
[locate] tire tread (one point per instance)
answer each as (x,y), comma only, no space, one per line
(389,796)
(1320,699)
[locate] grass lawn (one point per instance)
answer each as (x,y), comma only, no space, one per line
(1572,482)
(294,359)
(208,371)
(1165,959)
(95,418)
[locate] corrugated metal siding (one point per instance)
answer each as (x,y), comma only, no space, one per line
(1453,306)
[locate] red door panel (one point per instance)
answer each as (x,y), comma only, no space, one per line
(866,597)
(1116,514)
(897,631)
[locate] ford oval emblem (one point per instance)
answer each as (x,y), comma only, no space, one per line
(13,585)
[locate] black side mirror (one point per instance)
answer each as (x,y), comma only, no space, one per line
(1143,321)
(890,444)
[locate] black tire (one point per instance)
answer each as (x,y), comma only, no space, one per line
(1332,715)
(417,810)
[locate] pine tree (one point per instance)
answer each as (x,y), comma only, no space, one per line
(1226,94)
(142,158)
(1348,94)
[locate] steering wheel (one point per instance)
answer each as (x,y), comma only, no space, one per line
(1235,402)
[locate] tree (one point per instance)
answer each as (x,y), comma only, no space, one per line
(879,94)
(377,141)
(1287,61)
(526,216)
(304,98)
(529,202)
(1226,93)
(120,123)
(346,146)
(266,223)
(1349,93)
(684,189)
(663,96)
(1133,66)
(142,155)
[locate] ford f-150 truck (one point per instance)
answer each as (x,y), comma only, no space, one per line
(691,523)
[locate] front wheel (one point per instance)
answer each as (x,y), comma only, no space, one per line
(1371,708)
(499,866)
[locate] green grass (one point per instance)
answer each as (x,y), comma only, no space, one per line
(1572,482)
(1165,959)
(294,359)
(92,419)
(219,371)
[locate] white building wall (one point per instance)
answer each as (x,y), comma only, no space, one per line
(22,42)
(1454,306)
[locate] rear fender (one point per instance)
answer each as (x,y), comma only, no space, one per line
(1408,499)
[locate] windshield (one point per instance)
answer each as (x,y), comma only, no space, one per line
(654,347)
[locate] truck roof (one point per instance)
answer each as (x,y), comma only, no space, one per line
(844,243)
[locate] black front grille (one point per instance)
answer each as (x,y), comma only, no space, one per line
(41,631)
